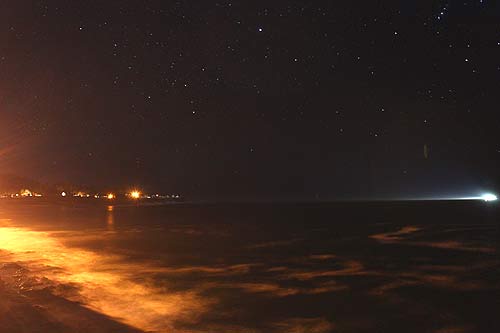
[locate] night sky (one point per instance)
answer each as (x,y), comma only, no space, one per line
(253,99)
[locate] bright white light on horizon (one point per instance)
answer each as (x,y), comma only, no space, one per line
(486,197)
(489,197)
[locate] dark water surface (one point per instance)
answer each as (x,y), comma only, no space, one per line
(291,268)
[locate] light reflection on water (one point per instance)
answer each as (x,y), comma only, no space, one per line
(218,278)
(106,283)
(110,218)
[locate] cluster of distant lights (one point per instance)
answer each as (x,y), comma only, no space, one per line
(109,196)
(133,194)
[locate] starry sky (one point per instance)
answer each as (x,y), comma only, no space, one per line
(253,99)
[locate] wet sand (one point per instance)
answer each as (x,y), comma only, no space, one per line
(315,268)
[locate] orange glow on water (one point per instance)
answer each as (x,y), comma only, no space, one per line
(107,283)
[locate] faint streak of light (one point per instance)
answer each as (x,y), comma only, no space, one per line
(488,197)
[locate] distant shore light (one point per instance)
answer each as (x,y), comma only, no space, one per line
(135,194)
(110,196)
(489,197)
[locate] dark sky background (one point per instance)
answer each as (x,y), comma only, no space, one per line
(253,99)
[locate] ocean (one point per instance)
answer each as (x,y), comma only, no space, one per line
(239,268)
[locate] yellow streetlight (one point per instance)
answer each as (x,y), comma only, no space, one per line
(135,194)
